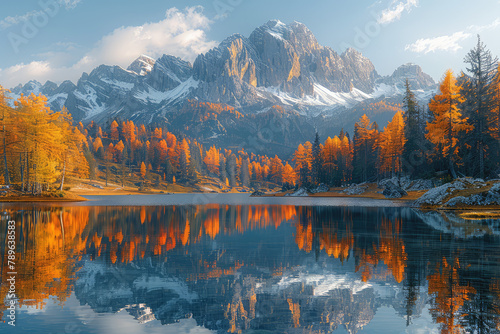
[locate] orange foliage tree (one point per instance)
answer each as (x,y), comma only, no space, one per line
(448,121)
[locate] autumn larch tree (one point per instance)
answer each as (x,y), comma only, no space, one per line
(143,170)
(289,176)
(72,143)
(41,141)
(344,159)
(114,131)
(330,153)
(365,134)
(303,162)
(391,143)
(447,121)
(317,161)
(212,160)
(276,170)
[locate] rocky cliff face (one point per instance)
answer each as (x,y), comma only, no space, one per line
(279,59)
(416,77)
(168,73)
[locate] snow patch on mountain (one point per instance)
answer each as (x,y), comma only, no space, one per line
(57,101)
(118,84)
(323,284)
(94,107)
(154,96)
(276,28)
(322,97)
(385,90)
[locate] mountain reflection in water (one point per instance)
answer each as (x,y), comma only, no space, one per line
(278,268)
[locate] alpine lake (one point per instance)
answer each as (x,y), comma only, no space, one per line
(238,264)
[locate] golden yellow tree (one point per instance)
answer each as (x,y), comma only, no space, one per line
(72,143)
(143,170)
(41,143)
(391,144)
(289,176)
(114,131)
(449,296)
(212,160)
(448,121)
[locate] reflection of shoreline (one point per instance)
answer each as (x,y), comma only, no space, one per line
(236,256)
(451,222)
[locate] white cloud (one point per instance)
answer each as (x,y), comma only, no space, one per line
(444,43)
(181,33)
(449,42)
(478,29)
(394,12)
(10,21)
(15,20)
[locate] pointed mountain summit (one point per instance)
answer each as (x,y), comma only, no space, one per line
(142,65)
(416,77)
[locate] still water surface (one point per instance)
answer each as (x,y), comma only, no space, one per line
(178,264)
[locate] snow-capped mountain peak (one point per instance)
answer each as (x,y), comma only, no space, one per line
(143,65)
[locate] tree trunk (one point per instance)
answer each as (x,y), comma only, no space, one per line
(481,150)
(62,226)
(481,161)
(450,139)
(35,182)
(365,167)
(21,169)
(6,173)
(452,168)
(27,172)
(63,175)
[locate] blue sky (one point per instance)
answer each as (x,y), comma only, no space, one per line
(60,39)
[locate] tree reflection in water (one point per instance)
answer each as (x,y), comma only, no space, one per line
(269,267)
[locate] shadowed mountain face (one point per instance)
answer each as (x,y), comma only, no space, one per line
(279,268)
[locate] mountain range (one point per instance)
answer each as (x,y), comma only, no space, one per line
(279,74)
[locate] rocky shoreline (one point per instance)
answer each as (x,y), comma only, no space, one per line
(459,194)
